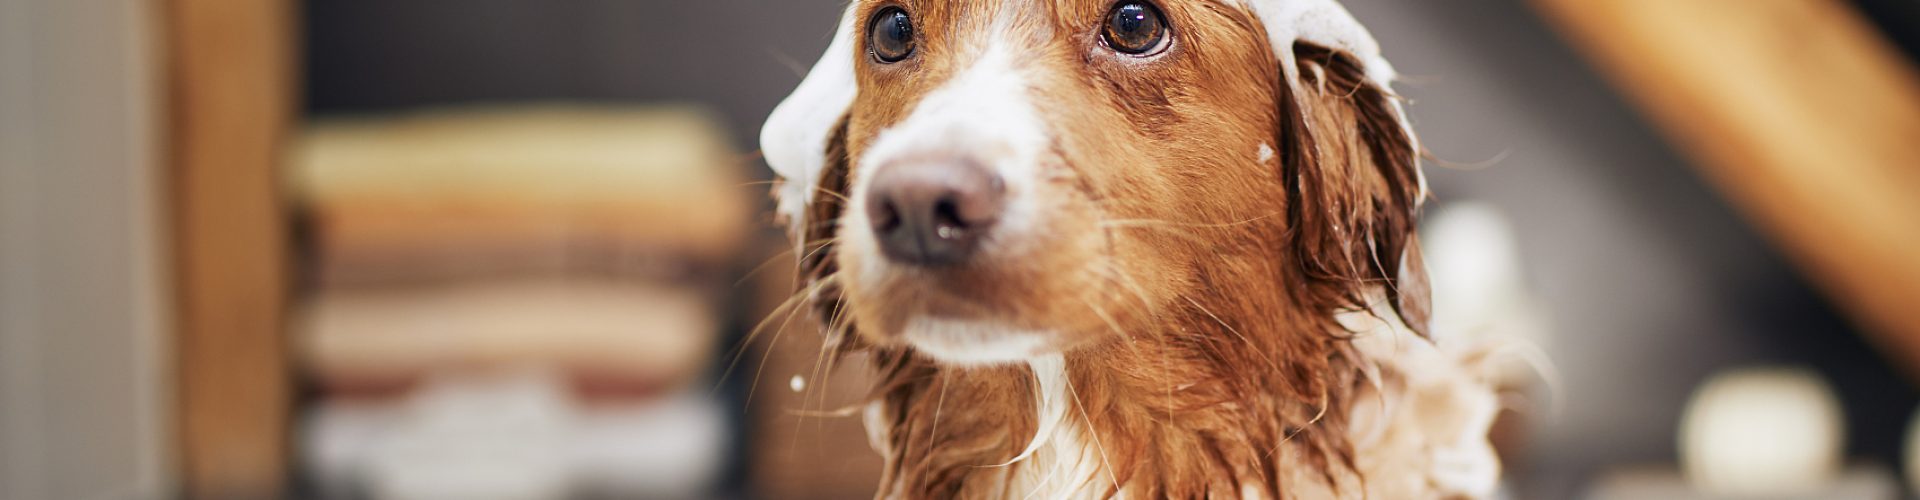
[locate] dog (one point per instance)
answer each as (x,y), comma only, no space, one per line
(1133,248)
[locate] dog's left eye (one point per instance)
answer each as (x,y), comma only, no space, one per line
(890,35)
(1135,28)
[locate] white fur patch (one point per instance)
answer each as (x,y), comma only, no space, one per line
(984,112)
(1433,418)
(973,343)
(874,419)
(1061,461)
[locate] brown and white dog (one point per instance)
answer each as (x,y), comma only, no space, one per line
(1136,248)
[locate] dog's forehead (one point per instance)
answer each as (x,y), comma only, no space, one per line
(794,139)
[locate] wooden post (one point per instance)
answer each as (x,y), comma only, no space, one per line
(1803,115)
(230,78)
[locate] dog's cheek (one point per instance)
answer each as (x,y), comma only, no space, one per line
(861,273)
(1084,285)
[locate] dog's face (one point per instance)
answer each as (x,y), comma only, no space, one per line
(1013,178)
(1004,153)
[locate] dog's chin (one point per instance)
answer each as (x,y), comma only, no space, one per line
(957,331)
(963,326)
(976,342)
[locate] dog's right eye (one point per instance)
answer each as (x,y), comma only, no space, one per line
(890,35)
(1135,28)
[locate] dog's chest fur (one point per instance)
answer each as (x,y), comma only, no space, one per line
(1070,427)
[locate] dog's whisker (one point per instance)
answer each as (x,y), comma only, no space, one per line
(835,194)
(1324,405)
(1230,329)
(843,412)
(781,182)
(830,351)
(740,350)
(1120,277)
(1091,430)
(933,433)
(1188,234)
(820,387)
(817,223)
(821,245)
(838,335)
(763,266)
(1132,344)
(772,344)
(1167,223)
(1044,480)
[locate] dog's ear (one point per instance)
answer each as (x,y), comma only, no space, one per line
(805,141)
(818,239)
(1354,187)
(798,139)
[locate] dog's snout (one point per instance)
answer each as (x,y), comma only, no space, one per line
(933,214)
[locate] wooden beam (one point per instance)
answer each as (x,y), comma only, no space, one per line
(231,95)
(1802,115)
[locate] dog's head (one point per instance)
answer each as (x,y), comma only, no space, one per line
(987,181)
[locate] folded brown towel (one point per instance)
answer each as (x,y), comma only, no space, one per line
(649,191)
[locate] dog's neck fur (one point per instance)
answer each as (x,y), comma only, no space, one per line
(1233,395)
(1152,418)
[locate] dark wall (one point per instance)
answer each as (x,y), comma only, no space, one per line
(738,56)
(1899,19)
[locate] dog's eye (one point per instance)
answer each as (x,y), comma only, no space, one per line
(890,35)
(1134,28)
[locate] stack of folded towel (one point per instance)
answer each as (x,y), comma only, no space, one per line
(563,262)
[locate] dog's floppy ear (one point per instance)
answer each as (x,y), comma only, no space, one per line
(805,141)
(1353,189)
(1350,163)
(799,138)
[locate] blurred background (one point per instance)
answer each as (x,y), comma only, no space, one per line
(415,249)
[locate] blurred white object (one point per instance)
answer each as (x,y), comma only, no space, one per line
(1473,262)
(476,438)
(1857,482)
(671,448)
(1764,432)
(515,437)
(1481,301)
(1912,452)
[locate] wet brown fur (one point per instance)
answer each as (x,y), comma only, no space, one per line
(1202,344)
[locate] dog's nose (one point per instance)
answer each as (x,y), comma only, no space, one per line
(933,214)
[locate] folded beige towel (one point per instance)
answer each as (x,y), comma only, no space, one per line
(657,338)
(638,190)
